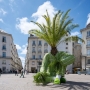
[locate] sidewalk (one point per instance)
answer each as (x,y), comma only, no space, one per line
(74,82)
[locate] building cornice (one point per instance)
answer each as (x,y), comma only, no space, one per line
(84,29)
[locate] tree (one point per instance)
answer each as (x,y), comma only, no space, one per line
(54,30)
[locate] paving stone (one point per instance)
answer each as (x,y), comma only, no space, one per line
(74,82)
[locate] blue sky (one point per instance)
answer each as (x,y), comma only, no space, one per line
(15,17)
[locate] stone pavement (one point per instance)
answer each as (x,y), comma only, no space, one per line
(74,82)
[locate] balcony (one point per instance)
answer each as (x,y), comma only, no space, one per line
(33,51)
(45,44)
(39,44)
(87,37)
(45,51)
(35,58)
(7,57)
(32,58)
(33,44)
(88,46)
(39,51)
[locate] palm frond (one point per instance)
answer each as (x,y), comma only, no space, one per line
(74,38)
(54,30)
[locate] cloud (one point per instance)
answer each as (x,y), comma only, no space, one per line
(1,20)
(2,11)
(25,25)
(24,49)
(88,20)
(75,33)
(12,4)
(18,47)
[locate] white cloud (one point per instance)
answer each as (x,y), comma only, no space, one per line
(1,20)
(25,25)
(12,4)
(24,49)
(18,47)
(2,11)
(75,33)
(88,20)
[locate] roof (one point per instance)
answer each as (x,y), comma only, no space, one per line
(86,28)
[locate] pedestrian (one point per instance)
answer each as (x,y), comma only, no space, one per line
(22,73)
(0,71)
(15,72)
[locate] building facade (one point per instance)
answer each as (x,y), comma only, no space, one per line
(86,48)
(9,60)
(77,65)
(36,50)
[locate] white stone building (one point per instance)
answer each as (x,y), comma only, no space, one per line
(9,60)
(36,50)
(86,48)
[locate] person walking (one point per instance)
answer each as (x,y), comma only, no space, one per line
(0,71)
(15,72)
(22,73)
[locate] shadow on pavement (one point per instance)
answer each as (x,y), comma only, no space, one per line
(71,85)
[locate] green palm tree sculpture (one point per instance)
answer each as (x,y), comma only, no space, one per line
(54,32)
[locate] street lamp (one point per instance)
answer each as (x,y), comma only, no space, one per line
(85,64)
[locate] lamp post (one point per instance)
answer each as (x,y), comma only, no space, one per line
(85,65)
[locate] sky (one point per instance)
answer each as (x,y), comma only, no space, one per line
(15,17)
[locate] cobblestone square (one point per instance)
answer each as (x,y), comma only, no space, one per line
(74,82)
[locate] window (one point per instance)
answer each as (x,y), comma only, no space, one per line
(39,56)
(88,33)
(4,69)
(4,62)
(66,43)
(33,43)
(73,44)
(33,62)
(4,54)
(45,51)
(3,39)
(45,44)
(88,61)
(66,47)
(88,52)
(33,56)
(4,47)
(33,48)
(88,42)
(39,63)
(39,43)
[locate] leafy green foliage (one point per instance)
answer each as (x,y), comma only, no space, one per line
(57,28)
(42,78)
(62,80)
